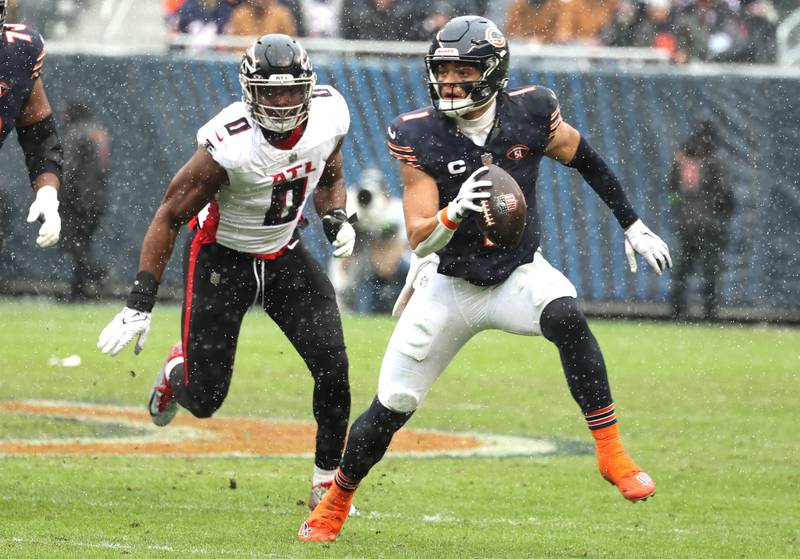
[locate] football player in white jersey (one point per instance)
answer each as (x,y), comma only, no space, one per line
(243,193)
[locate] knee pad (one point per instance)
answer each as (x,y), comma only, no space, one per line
(562,319)
(399,401)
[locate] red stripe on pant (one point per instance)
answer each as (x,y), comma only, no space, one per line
(194,251)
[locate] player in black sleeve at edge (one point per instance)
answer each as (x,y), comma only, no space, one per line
(478,286)
(24,106)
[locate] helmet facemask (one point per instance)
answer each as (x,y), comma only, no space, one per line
(278,102)
(2,17)
(479,92)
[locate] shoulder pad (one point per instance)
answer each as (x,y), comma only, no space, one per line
(540,102)
(403,133)
(223,134)
(335,107)
(27,44)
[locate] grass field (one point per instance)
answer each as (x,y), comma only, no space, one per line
(707,410)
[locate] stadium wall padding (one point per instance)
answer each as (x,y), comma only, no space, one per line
(152,107)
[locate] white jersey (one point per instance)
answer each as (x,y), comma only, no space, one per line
(258,211)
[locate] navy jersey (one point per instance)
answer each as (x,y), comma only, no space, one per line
(21,58)
(525,122)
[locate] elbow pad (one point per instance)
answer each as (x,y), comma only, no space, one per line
(42,147)
(439,237)
(602,179)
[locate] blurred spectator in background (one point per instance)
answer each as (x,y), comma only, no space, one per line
(558,21)
(581,21)
(377,20)
(261,17)
(621,31)
(532,20)
(203,20)
(170,10)
(86,153)
(761,21)
(679,36)
(321,18)
(703,202)
(371,280)
(724,34)
(428,17)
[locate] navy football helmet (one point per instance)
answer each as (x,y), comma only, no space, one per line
(277,80)
(473,40)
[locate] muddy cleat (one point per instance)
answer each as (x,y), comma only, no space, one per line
(326,520)
(318,491)
(162,404)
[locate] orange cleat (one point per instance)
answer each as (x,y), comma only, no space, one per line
(327,518)
(318,492)
(618,469)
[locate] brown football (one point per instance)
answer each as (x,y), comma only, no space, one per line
(503,217)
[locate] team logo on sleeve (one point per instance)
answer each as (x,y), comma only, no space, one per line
(517,152)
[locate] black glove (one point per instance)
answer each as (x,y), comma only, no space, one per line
(332,222)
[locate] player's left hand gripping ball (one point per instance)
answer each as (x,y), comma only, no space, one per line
(45,209)
(639,239)
(128,324)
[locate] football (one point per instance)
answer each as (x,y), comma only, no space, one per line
(503,217)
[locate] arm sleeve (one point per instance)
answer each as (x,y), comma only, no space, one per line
(602,179)
(42,148)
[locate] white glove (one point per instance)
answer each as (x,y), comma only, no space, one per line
(345,241)
(415,270)
(45,208)
(640,239)
(128,324)
(471,190)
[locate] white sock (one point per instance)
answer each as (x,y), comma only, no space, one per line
(322,476)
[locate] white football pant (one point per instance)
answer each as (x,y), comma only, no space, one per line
(445,312)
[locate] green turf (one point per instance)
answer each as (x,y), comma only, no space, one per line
(706,409)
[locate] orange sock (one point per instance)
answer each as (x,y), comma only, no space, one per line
(612,459)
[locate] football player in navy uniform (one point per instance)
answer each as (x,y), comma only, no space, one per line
(24,106)
(462,284)
(243,193)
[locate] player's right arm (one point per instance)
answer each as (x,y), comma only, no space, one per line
(189,191)
(194,186)
(38,136)
(429,227)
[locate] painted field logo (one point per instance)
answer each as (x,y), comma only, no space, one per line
(65,428)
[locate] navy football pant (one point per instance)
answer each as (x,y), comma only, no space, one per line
(220,285)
